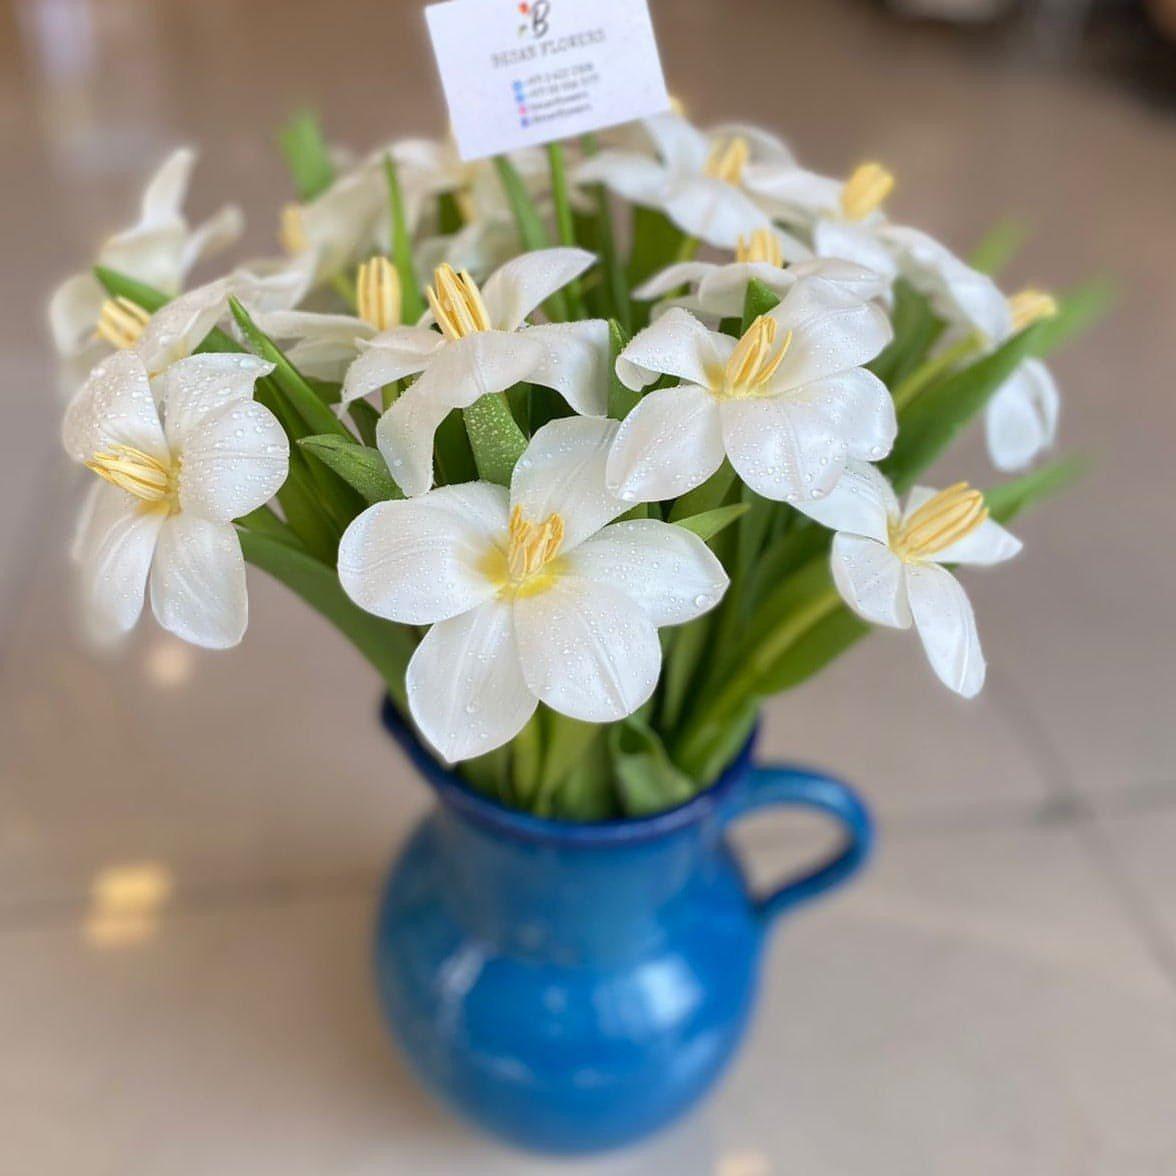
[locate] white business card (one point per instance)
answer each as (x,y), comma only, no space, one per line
(517,73)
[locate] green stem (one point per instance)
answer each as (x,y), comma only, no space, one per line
(345,288)
(412,307)
(563,220)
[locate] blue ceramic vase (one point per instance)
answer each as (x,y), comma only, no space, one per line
(574,987)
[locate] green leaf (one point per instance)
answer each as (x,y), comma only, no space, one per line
(265,522)
(452,456)
(119,285)
(495,437)
(915,330)
(307,156)
(361,468)
(449,217)
(366,418)
(1000,245)
(711,522)
(310,406)
(936,416)
(1078,311)
(711,494)
(532,231)
(386,646)
(646,779)
(411,304)
(657,242)
(758,300)
(1009,499)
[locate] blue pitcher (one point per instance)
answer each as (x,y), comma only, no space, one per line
(574,987)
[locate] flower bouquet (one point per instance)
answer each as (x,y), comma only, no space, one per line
(588,450)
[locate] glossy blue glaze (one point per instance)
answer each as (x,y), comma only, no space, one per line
(573,987)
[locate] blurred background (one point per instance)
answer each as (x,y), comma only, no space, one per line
(190,844)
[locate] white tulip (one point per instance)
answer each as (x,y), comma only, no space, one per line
(769,256)
(158,250)
(789,403)
(180,457)
(888,564)
(484,345)
(704,181)
(533,595)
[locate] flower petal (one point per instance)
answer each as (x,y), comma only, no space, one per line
(669,443)
(870,578)
(514,290)
(683,273)
(586,650)
(856,243)
(404,436)
(198,582)
(465,683)
(73,312)
(988,544)
(674,344)
(113,547)
(220,231)
(860,407)
(421,560)
(782,449)
(713,210)
(562,472)
(195,389)
(114,407)
(862,503)
(176,329)
(152,255)
(235,461)
(635,178)
(832,331)
(574,362)
(163,197)
(796,193)
(388,357)
(957,292)
(683,148)
(947,626)
(667,570)
(328,344)
(1021,420)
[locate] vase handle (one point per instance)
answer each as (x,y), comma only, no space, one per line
(769,786)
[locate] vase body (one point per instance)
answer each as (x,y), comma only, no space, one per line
(572,987)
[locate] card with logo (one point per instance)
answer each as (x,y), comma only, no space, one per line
(518,73)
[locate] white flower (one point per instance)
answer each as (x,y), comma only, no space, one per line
(531,595)
(327,344)
(173,479)
(1021,420)
(769,256)
(788,403)
(158,250)
(703,181)
(484,346)
(844,218)
(888,565)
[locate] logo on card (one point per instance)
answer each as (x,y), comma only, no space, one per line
(536,13)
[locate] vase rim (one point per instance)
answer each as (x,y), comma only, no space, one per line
(491,813)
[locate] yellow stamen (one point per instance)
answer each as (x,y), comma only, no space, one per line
(755,358)
(677,106)
(463,197)
(1031,306)
(136,472)
(941,521)
(456,303)
(291,231)
(865,190)
(762,246)
(377,293)
(121,322)
(727,161)
(531,545)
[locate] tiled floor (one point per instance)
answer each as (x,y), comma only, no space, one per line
(998,996)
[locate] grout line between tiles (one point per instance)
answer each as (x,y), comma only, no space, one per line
(1040,746)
